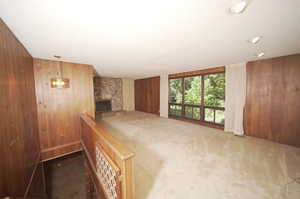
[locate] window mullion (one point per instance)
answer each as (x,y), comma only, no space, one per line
(214,115)
(202,99)
(212,108)
(182,98)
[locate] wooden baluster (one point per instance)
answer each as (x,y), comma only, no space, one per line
(89,185)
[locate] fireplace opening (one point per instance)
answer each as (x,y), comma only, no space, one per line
(103,106)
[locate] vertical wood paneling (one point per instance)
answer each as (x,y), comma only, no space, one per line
(59,109)
(37,188)
(273,99)
(147,95)
(20,149)
(3,192)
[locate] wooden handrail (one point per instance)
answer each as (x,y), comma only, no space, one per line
(96,142)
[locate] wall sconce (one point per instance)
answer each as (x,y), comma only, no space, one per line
(59,81)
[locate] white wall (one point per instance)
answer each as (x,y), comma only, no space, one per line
(164,95)
(128,94)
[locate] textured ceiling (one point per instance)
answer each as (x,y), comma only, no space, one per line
(141,38)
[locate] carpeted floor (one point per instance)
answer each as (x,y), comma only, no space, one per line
(180,160)
(66,177)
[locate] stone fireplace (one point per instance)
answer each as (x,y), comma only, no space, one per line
(103,106)
(108,94)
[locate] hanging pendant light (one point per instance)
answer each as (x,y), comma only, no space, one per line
(59,81)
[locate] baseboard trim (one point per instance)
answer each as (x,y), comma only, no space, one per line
(59,151)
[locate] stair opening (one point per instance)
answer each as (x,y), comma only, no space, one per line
(65,177)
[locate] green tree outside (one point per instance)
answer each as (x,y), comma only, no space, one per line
(214,93)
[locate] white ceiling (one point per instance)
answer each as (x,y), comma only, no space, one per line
(142,38)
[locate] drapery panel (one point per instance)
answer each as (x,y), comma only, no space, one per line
(235,97)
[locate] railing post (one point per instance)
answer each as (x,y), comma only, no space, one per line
(102,152)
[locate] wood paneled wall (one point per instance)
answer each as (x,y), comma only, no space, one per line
(147,94)
(273,99)
(37,188)
(19,146)
(219,69)
(59,108)
(2,179)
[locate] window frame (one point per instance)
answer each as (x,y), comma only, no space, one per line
(202,105)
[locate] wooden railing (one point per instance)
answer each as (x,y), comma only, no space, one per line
(109,163)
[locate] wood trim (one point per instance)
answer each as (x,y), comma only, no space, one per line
(199,106)
(92,168)
(198,122)
(37,189)
(128,181)
(32,176)
(116,146)
(220,69)
(108,158)
(61,155)
(59,151)
(94,176)
(147,78)
(60,146)
(93,135)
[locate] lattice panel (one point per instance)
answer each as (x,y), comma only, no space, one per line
(108,175)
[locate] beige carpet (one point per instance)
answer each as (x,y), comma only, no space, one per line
(180,160)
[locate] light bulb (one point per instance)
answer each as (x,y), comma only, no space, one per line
(261,54)
(238,8)
(255,40)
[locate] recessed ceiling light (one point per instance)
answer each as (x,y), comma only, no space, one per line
(238,7)
(255,40)
(57,56)
(261,54)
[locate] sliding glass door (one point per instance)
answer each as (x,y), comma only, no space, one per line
(199,97)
